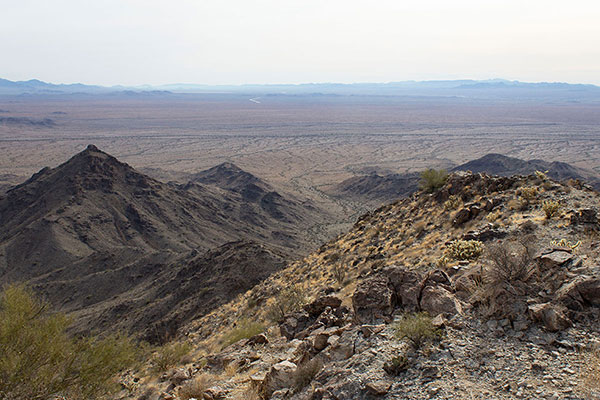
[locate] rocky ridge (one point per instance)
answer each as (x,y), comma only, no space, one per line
(512,290)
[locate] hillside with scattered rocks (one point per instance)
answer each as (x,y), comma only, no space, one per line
(487,288)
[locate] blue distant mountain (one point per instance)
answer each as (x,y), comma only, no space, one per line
(482,89)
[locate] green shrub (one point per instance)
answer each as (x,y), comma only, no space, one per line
(550,208)
(417,328)
(39,360)
(287,300)
(169,355)
(465,249)
(433,179)
(245,329)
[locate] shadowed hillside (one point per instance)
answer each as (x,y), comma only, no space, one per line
(93,234)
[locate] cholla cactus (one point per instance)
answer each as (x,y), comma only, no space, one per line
(465,249)
(541,175)
(564,243)
(550,208)
(452,203)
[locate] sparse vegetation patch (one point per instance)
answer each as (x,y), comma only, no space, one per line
(245,329)
(169,355)
(39,360)
(416,328)
(433,179)
(287,300)
(465,249)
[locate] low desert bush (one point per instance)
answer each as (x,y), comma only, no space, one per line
(550,208)
(244,329)
(528,194)
(566,244)
(39,360)
(541,175)
(465,249)
(195,388)
(287,300)
(442,262)
(433,179)
(510,262)
(169,355)
(494,216)
(417,328)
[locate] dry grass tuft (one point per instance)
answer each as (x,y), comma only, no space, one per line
(169,355)
(195,388)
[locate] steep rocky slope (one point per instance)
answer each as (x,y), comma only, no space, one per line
(506,268)
(99,239)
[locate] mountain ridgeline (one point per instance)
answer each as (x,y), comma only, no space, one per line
(93,234)
(381,188)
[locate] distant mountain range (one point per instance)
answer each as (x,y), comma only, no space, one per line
(493,89)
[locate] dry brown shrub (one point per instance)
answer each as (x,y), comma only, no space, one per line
(510,262)
(195,388)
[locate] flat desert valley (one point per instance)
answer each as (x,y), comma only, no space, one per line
(301,144)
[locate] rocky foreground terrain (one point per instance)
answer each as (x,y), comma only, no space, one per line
(487,288)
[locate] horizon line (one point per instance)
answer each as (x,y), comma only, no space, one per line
(487,80)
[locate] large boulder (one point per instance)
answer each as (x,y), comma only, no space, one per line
(437,300)
(581,292)
(407,285)
(319,305)
(552,316)
(280,376)
(555,258)
(373,300)
(294,324)
(462,216)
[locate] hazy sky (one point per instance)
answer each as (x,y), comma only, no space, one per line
(288,41)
